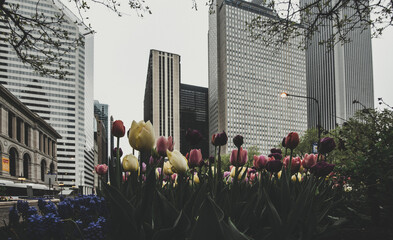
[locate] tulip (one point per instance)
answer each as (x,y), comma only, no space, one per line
(193,136)
(326,145)
(195,159)
(143,170)
(178,161)
(283,142)
(158,173)
(253,176)
(276,150)
(118,129)
(322,168)
(241,171)
(226,174)
(295,165)
(130,163)
(309,160)
(114,152)
(141,136)
(276,156)
(220,139)
(238,141)
(101,169)
(162,145)
(274,165)
(196,178)
(168,168)
(171,143)
(292,140)
(260,162)
(279,174)
(296,177)
(242,157)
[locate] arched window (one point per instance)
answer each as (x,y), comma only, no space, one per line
(13,159)
(43,169)
(26,162)
(52,168)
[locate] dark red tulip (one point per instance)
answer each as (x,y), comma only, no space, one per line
(292,140)
(193,136)
(326,145)
(219,139)
(118,129)
(238,141)
(321,169)
(274,166)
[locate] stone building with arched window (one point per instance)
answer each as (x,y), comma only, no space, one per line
(27,145)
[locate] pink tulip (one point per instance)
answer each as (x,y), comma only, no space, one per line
(195,158)
(171,143)
(295,166)
(226,174)
(243,157)
(253,176)
(162,145)
(101,169)
(260,162)
(309,160)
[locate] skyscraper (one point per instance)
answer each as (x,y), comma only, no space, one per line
(161,103)
(338,76)
(66,104)
(194,114)
(246,77)
(102,110)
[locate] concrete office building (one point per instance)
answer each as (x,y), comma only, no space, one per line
(66,104)
(194,114)
(336,77)
(27,147)
(161,102)
(247,76)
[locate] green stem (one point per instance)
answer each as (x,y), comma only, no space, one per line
(118,167)
(290,166)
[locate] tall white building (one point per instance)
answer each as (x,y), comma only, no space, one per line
(246,78)
(66,104)
(161,103)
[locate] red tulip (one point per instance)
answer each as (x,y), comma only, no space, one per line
(118,129)
(309,160)
(243,157)
(195,158)
(260,162)
(292,140)
(101,169)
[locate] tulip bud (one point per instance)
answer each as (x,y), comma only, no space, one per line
(193,136)
(162,145)
(260,162)
(292,140)
(114,152)
(168,168)
(243,157)
(118,129)
(296,177)
(283,142)
(178,161)
(130,163)
(101,169)
(238,141)
(309,160)
(141,136)
(276,150)
(143,169)
(195,159)
(196,178)
(326,145)
(158,173)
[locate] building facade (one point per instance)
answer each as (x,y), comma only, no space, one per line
(161,102)
(337,76)
(194,114)
(27,145)
(66,104)
(246,77)
(101,113)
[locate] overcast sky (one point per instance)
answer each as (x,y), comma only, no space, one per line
(122,46)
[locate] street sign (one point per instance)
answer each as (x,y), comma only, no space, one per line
(315,148)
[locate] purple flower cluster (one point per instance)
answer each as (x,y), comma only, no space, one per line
(89,212)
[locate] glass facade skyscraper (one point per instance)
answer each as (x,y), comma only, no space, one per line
(66,104)
(337,76)
(246,77)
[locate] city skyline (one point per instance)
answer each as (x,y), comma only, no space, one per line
(124,49)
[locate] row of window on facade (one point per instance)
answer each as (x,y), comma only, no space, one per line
(19,130)
(27,165)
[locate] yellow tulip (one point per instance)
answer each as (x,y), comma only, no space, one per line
(196,178)
(295,178)
(241,171)
(130,163)
(279,174)
(141,136)
(178,161)
(168,168)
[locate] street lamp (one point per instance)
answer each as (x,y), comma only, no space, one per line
(61,188)
(284,95)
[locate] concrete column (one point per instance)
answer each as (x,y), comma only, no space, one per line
(22,131)
(41,142)
(1,119)
(50,147)
(14,127)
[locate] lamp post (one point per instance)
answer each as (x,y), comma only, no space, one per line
(61,188)
(284,95)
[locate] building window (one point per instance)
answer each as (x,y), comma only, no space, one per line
(26,161)
(13,159)
(43,169)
